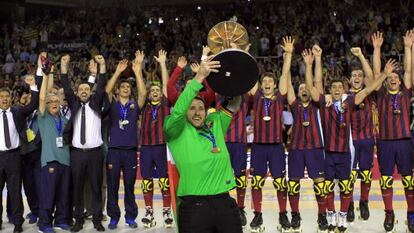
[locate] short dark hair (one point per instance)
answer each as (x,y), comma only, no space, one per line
(5,89)
(84,82)
(337,80)
(123,81)
(268,74)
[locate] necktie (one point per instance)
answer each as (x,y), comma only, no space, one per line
(83,126)
(6,130)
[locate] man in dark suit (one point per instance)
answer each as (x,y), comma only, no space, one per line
(86,154)
(12,136)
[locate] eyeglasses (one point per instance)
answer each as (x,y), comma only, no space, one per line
(53,102)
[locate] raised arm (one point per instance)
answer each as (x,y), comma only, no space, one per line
(291,96)
(317,53)
(308,59)
(287,60)
(172,91)
(122,65)
(102,76)
(42,94)
(161,59)
(377,41)
(69,94)
(390,66)
(137,68)
(174,124)
(34,102)
(369,75)
(408,42)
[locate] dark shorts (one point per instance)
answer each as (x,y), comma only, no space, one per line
(337,165)
(364,154)
(268,155)
(207,214)
(313,159)
(153,159)
(395,152)
(238,156)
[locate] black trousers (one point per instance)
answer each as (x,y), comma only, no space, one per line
(31,179)
(209,214)
(10,173)
(87,163)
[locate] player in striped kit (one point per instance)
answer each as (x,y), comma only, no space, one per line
(267,148)
(336,119)
(362,134)
(394,145)
(306,147)
(153,148)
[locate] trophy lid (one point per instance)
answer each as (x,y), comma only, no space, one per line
(238,73)
(224,33)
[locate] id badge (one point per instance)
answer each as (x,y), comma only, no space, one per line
(59,142)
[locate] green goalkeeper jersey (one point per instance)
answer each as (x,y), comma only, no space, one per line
(202,171)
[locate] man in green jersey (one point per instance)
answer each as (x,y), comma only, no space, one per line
(199,151)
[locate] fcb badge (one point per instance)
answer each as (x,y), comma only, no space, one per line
(305,123)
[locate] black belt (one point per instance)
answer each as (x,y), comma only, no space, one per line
(2,152)
(205,197)
(86,149)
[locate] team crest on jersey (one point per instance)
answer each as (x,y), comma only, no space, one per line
(132,106)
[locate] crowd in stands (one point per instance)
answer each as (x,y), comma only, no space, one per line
(182,30)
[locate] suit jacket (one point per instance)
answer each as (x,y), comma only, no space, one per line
(75,104)
(20,113)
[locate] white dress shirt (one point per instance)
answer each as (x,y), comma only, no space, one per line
(92,131)
(14,135)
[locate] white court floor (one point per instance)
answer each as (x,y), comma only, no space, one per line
(307,205)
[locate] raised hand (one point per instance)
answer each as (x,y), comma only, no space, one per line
(195,67)
(288,43)
(206,50)
(356,51)
(162,56)
(39,59)
(93,67)
(316,51)
(122,65)
(390,66)
(182,62)
(377,39)
(408,38)
(307,57)
(206,67)
(64,62)
(100,59)
(30,80)
(137,62)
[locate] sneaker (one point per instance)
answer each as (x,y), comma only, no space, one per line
(284,223)
(62,226)
(322,222)
(131,223)
(46,230)
(168,219)
(243,216)
(32,218)
(113,224)
(148,220)
(364,210)
(331,218)
(389,220)
(342,222)
(350,217)
(295,222)
(257,223)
